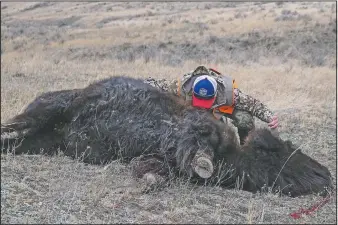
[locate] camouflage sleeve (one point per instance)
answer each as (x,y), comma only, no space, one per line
(163,84)
(252,105)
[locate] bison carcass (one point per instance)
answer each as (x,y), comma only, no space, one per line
(122,117)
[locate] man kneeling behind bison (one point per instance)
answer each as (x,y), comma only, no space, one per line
(122,117)
(219,94)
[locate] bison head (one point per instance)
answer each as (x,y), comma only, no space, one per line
(203,141)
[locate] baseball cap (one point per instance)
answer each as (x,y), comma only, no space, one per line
(204,91)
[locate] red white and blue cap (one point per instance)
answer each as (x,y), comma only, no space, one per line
(204,91)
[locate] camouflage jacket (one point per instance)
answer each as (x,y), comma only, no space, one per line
(242,101)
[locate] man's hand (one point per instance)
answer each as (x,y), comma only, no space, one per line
(274,123)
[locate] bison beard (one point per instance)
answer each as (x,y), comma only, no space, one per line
(125,118)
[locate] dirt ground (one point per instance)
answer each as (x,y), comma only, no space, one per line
(284,54)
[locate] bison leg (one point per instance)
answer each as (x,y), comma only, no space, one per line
(152,170)
(155,172)
(9,133)
(149,164)
(41,124)
(45,111)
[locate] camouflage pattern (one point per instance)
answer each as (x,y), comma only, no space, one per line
(242,120)
(165,85)
(246,106)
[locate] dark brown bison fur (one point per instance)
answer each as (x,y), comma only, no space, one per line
(267,161)
(116,118)
(122,117)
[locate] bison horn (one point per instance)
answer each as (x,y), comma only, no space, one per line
(202,165)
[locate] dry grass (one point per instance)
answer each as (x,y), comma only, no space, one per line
(283,54)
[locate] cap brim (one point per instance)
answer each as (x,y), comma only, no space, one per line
(202,103)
